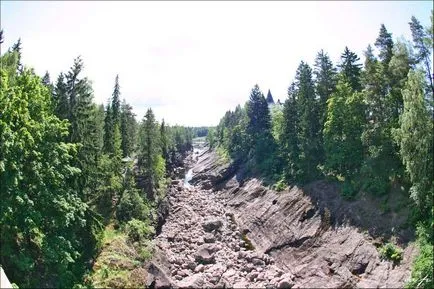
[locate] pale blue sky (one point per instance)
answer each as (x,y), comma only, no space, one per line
(192,61)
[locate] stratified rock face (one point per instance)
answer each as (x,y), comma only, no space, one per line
(249,236)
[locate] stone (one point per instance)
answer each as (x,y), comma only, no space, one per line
(209,238)
(285,284)
(204,255)
(199,268)
(193,281)
(212,224)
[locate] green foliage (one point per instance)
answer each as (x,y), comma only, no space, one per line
(391,252)
(415,137)
(42,217)
(138,231)
(422,271)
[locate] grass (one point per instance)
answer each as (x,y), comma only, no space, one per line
(119,263)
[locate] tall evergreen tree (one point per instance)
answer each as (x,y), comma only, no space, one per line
(17,48)
(116,102)
(351,69)
(270,99)
(325,80)
(128,129)
(290,134)
(308,123)
(384,43)
(61,99)
(108,131)
(258,126)
(150,159)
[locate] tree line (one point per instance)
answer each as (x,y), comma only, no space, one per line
(367,126)
(69,167)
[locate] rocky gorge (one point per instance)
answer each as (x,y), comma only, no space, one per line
(222,230)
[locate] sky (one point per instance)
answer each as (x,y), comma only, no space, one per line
(192,61)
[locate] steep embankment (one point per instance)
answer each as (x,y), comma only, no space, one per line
(224,232)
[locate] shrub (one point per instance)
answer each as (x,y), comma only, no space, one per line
(132,206)
(391,252)
(422,271)
(138,231)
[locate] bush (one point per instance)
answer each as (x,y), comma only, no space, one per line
(139,231)
(422,271)
(391,252)
(280,185)
(132,206)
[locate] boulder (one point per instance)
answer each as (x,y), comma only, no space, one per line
(212,224)
(209,238)
(205,255)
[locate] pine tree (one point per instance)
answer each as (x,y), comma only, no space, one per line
(270,99)
(350,68)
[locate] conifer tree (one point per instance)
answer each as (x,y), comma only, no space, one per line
(270,99)
(308,123)
(60,97)
(128,129)
(116,102)
(351,69)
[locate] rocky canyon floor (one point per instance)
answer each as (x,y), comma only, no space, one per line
(225,232)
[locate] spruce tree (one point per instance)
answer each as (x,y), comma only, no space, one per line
(17,48)
(150,161)
(308,123)
(60,98)
(384,43)
(116,102)
(128,129)
(350,68)
(108,131)
(290,135)
(270,99)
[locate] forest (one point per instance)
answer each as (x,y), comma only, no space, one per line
(368,127)
(77,178)
(67,172)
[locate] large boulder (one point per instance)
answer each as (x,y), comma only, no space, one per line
(205,254)
(212,224)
